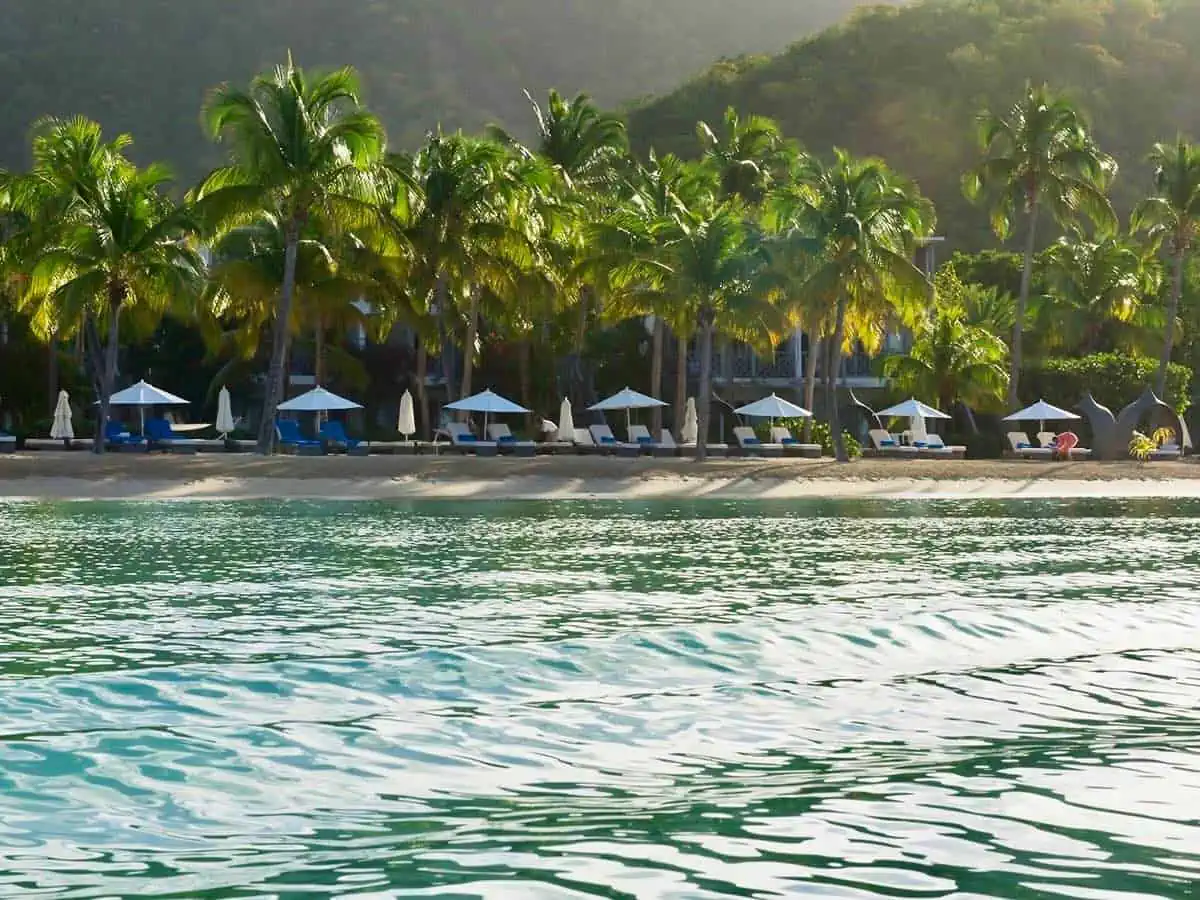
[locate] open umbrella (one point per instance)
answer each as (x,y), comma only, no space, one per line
(1041,412)
(628,400)
(63,428)
(225,423)
(489,403)
(566,421)
(142,395)
(690,433)
(407,424)
(916,412)
(318,400)
(773,407)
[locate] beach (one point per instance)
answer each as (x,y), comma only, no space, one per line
(83,476)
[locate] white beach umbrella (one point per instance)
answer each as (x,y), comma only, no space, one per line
(407,424)
(1041,412)
(318,400)
(225,423)
(916,412)
(773,407)
(489,403)
(63,428)
(566,421)
(690,434)
(142,395)
(628,400)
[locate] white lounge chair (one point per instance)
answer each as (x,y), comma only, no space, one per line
(506,441)
(885,444)
(791,446)
(640,435)
(936,447)
(750,444)
(464,441)
(607,441)
(1047,439)
(1019,442)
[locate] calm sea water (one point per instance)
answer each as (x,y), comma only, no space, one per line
(857,700)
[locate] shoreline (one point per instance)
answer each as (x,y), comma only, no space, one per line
(82,476)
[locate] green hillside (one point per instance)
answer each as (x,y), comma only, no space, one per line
(143,65)
(906,83)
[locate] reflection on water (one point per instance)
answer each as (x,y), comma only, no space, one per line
(582,699)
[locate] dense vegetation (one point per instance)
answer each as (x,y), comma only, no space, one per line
(143,68)
(906,84)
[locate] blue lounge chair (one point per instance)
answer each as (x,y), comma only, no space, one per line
(334,433)
(8,443)
(161,434)
(288,432)
(116,437)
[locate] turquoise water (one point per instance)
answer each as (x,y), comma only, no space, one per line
(569,700)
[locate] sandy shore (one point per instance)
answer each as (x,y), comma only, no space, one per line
(68,476)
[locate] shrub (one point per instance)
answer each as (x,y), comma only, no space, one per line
(1114,379)
(822,434)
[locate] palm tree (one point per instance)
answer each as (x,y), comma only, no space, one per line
(713,260)
(102,242)
(1172,216)
(300,148)
(954,361)
(1096,293)
(861,222)
(748,155)
(1039,156)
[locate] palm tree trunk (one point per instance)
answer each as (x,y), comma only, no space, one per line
(1172,313)
(810,381)
(108,377)
(422,393)
(1022,301)
(52,372)
(831,379)
(525,377)
(656,367)
(704,401)
(970,414)
(448,368)
(319,352)
(277,373)
(681,353)
(472,340)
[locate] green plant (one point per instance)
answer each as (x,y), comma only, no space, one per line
(1114,379)
(1142,446)
(823,435)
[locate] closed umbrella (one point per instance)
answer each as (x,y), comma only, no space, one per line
(225,423)
(142,395)
(566,421)
(691,424)
(489,403)
(63,429)
(407,425)
(628,400)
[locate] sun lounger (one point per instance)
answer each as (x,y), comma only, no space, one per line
(8,443)
(791,446)
(333,433)
(640,435)
(506,441)
(750,444)
(1019,442)
(117,438)
(58,444)
(884,444)
(933,447)
(464,441)
(163,437)
(603,437)
(290,438)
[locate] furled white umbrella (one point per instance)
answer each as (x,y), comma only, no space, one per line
(1041,412)
(773,407)
(690,434)
(225,423)
(628,400)
(407,424)
(318,400)
(142,395)
(63,429)
(489,403)
(566,421)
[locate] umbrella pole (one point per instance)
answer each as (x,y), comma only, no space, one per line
(142,421)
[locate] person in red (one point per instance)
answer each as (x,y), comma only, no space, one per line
(1064,444)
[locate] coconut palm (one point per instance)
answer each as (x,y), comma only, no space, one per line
(1039,157)
(954,361)
(1097,292)
(301,148)
(101,242)
(748,155)
(862,223)
(1172,217)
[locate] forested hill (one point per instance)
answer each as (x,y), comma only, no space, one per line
(143,66)
(906,84)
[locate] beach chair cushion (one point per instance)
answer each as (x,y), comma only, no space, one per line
(289,434)
(335,432)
